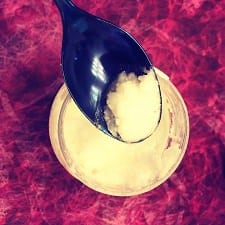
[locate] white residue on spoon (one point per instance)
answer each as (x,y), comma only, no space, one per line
(133,106)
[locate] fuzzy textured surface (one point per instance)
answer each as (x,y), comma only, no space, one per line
(185,39)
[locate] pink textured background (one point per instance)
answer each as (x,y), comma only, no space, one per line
(185,39)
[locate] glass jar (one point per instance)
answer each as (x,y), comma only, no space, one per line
(112,167)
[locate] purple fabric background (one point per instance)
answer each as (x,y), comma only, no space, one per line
(185,39)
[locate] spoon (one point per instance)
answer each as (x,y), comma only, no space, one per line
(94,53)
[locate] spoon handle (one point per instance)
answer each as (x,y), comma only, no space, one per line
(64,5)
(68,9)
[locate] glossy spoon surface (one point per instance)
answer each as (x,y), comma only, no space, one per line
(94,52)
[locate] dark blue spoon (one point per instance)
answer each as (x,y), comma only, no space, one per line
(94,52)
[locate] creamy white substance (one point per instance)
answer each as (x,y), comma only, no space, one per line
(101,161)
(133,106)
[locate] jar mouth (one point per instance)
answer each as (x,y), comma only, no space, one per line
(179,130)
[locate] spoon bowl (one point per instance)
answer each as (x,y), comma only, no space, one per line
(94,53)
